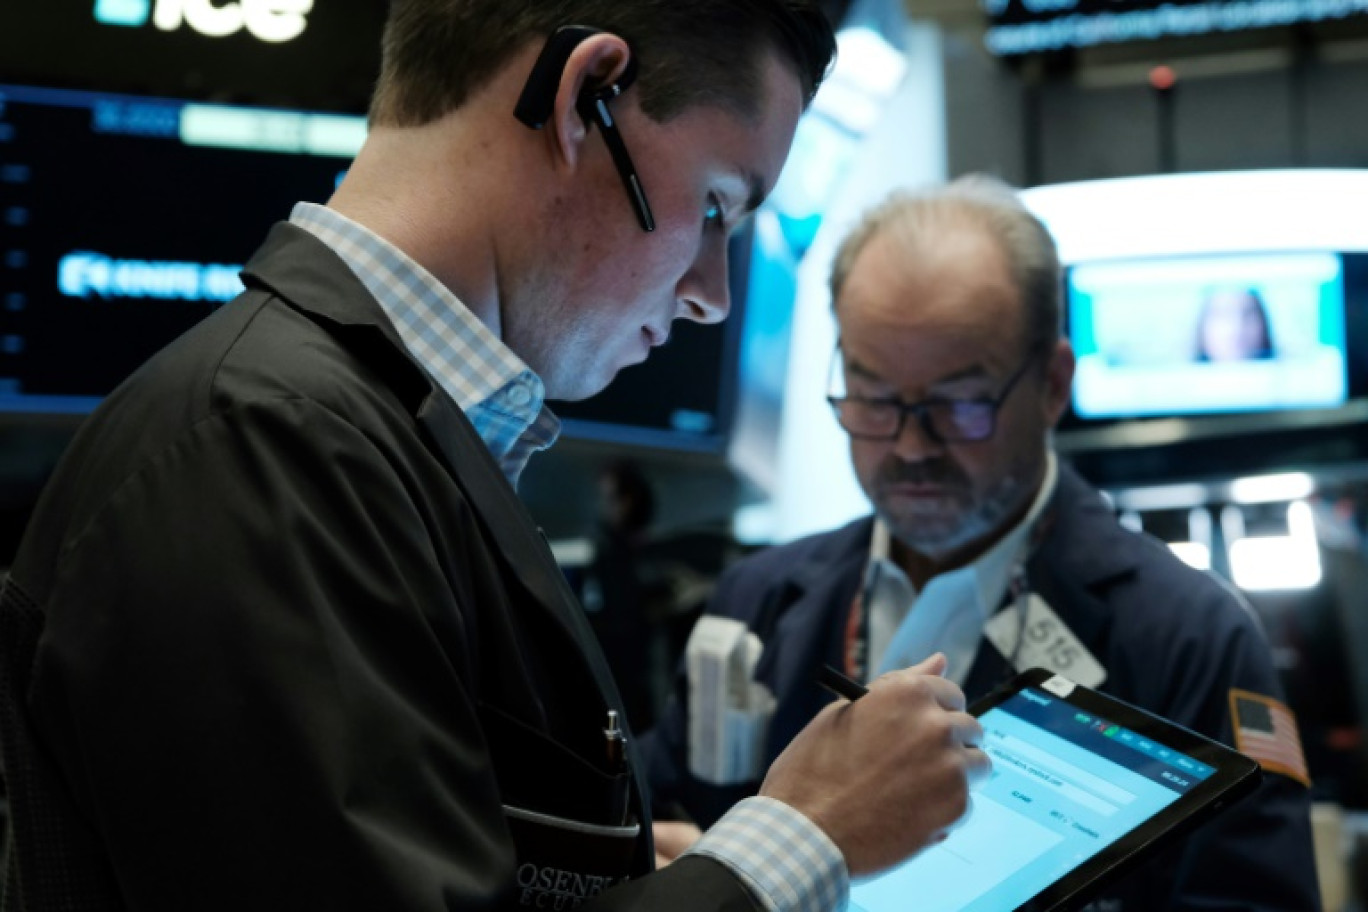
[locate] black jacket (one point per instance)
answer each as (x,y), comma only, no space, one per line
(1173,640)
(297,641)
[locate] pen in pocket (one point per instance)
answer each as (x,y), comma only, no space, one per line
(615,744)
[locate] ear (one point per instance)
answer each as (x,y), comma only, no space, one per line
(596,63)
(1059,373)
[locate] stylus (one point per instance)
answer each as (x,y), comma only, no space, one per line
(839,684)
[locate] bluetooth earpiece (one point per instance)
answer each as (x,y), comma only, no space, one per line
(538,100)
(538,96)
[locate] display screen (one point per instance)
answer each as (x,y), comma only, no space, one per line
(1065,785)
(1036,26)
(1208,334)
(125,220)
(1236,299)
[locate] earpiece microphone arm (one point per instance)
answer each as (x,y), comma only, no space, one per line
(595,110)
(538,100)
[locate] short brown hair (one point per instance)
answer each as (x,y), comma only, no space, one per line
(986,204)
(436,53)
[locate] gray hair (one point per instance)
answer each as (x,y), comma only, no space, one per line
(974,201)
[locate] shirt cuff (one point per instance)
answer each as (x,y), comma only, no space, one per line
(782,856)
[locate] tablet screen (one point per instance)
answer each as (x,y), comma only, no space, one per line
(1065,784)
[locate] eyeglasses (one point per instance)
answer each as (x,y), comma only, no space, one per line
(539,96)
(942,420)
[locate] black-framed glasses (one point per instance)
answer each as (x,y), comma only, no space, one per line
(538,98)
(943,420)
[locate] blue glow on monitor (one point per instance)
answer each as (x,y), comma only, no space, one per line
(84,274)
(1208,334)
(131,13)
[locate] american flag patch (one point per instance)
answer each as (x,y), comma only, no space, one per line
(1266,731)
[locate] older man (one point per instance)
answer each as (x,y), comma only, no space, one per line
(948,377)
(280,635)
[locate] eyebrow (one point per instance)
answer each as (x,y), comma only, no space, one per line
(973,372)
(855,367)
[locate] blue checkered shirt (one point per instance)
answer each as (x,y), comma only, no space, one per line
(500,395)
(784,858)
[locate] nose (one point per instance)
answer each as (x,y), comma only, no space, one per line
(913,443)
(703,295)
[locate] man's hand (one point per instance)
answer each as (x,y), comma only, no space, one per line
(672,839)
(889,774)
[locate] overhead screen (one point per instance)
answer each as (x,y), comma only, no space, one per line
(1034,26)
(126,220)
(1212,294)
(1201,335)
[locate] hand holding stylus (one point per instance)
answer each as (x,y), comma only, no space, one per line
(886,775)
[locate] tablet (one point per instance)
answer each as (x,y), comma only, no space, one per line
(1083,787)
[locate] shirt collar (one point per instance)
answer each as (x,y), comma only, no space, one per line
(501,396)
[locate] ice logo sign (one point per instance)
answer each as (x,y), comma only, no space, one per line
(268,20)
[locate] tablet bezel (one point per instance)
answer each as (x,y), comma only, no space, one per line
(1236,776)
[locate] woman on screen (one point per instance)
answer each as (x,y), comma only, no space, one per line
(1233,325)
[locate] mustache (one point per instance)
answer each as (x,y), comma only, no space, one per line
(932,472)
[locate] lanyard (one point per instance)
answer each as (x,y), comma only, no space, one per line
(855,651)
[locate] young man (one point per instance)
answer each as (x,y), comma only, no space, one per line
(280,634)
(949,376)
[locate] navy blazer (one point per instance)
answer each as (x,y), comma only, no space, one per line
(1174,640)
